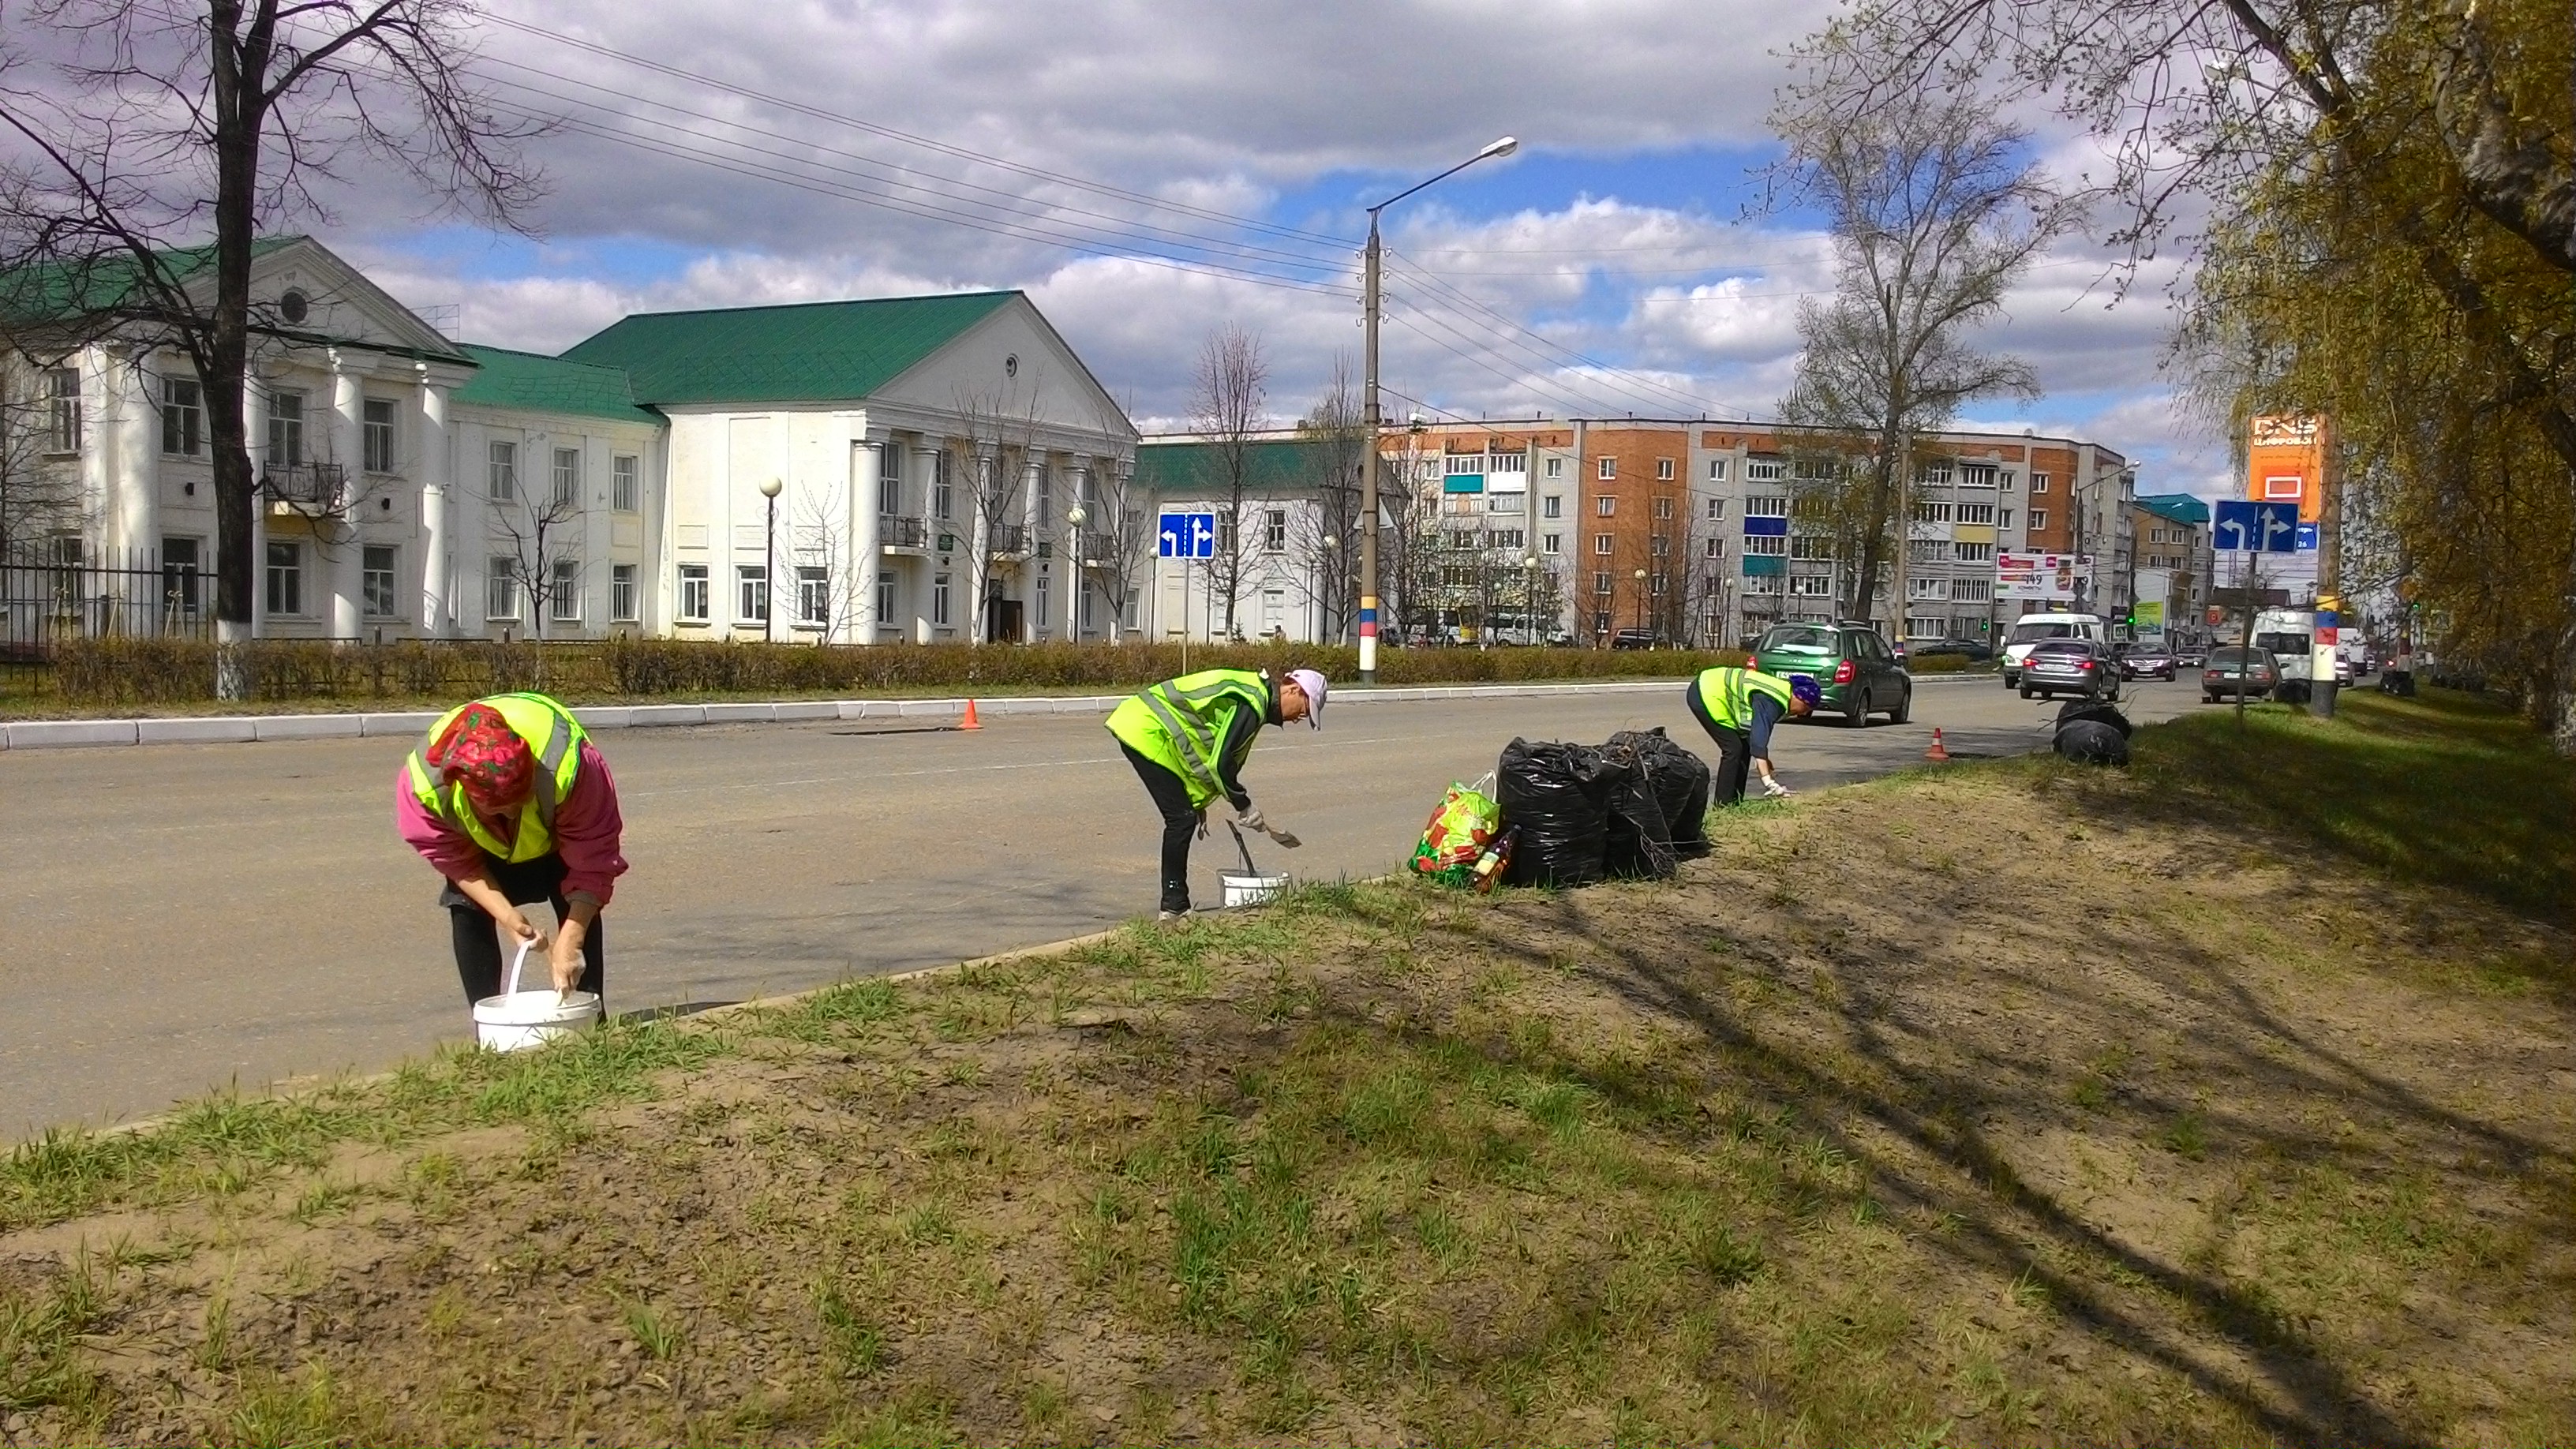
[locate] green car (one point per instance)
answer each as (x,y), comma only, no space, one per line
(1859,674)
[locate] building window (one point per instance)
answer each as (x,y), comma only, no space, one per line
(1766,545)
(1046,589)
(63,420)
(1551,506)
(813,596)
(501,587)
(1600,621)
(1925,626)
(1811,546)
(1509,538)
(1601,582)
(943,492)
(502,484)
(2004,480)
(1716,548)
(1556,467)
(1089,616)
(376,581)
(286,578)
(1928,550)
(885,597)
(2003,518)
(1935,475)
(1663,470)
(1717,508)
(563,599)
(376,434)
(567,477)
(1601,543)
(1764,470)
(1605,506)
(183,414)
(1923,588)
(1663,544)
(1766,505)
(286,428)
(1972,591)
(625,483)
(1274,530)
(939,598)
(1609,468)
(1973,552)
(890,481)
(1658,584)
(1043,506)
(1551,543)
(751,593)
(694,591)
(1932,510)
(1811,585)
(621,594)
(1717,470)
(2038,519)
(1663,508)
(2038,484)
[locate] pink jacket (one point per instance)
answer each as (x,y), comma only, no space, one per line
(587,829)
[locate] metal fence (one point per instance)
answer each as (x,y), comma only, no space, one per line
(57,593)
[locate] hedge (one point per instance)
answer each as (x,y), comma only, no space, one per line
(119,672)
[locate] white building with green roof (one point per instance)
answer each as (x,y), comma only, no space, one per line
(877,471)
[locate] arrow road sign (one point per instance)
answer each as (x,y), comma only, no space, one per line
(2255,527)
(1185,535)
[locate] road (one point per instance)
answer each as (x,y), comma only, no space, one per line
(176,917)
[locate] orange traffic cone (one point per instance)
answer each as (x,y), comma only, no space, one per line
(970,722)
(1939,751)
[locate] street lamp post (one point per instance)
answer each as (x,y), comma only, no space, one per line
(1332,550)
(1641,601)
(1529,601)
(770,490)
(1371,417)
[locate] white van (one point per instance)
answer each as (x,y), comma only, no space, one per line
(2286,635)
(2032,629)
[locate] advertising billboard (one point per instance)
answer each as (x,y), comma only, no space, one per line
(2048,576)
(2285,462)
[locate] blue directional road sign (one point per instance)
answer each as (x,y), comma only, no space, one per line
(2307,538)
(1185,535)
(2256,527)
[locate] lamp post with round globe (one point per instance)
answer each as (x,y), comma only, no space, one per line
(769,490)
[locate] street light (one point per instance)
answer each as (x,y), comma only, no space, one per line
(1073,518)
(1529,601)
(769,563)
(1371,418)
(1641,601)
(1332,550)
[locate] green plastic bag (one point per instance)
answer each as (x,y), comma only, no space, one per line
(1458,832)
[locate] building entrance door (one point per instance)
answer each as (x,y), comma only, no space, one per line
(1001,621)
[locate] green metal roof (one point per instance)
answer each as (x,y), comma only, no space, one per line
(538,383)
(61,291)
(1274,465)
(2180,507)
(806,352)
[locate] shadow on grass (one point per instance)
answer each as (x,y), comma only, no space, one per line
(2443,790)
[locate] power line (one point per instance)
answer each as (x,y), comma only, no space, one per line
(1656,396)
(1552,346)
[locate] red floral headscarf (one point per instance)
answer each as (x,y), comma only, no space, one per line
(482,753)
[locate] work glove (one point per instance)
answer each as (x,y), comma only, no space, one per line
(1775,790)
(1249,817)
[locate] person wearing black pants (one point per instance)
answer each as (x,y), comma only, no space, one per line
(1171,795)
(479,960)
(1738,708)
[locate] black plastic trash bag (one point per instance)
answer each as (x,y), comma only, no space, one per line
(1636,844)
(1557,796)
(1680,780)
(2094,711)
(2091,742)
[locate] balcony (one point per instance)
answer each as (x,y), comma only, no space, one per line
(1009,538)
(902,533)
(306,487)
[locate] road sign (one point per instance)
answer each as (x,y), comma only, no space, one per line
(2255,527)
(1185,535)
(2307,538)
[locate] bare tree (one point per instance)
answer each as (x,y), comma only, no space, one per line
(39,496)
(169,120)
(1117,543)
(839,604)
(541,531)
(1408,542)
(998,437)
(1325,538)
(1935,213)
(1227,390)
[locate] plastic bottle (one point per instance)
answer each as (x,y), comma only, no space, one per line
(1489,866)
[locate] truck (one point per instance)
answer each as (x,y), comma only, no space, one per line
(2288,635)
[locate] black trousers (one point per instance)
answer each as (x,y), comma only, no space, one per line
(1180,822)
(1734,754)
(478,937)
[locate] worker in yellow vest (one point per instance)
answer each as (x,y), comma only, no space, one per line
(1188,739)
(1738,707)
(509,799)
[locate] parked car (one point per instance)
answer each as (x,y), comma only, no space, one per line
(2069,666)
(2030,629)
(1633,639)
(2148,661)
(2234,671)
(1853,667)
(1975,651)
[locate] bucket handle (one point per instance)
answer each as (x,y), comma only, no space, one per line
(511,986)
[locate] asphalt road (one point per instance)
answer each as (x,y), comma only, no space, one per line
(176,917)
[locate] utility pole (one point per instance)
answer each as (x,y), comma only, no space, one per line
(2322,647)
(1370,416)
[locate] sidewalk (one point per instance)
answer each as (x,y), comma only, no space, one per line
(250,729)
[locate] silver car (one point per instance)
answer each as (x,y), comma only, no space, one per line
(2069,666)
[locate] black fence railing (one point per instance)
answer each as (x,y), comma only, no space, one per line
(56,594)
(895,531)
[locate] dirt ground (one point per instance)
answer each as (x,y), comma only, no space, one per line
(2007,1105)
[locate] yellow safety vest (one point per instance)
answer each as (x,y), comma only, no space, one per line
(1180,724)
(553,736)
(1727,695)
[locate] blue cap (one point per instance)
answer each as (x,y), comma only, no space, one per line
(1802,688)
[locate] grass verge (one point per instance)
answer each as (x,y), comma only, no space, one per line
(2002,1104)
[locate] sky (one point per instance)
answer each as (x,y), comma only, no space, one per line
(1151,170)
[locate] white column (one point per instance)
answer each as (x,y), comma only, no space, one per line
(866,469)
(346,553)
(1031,472)
(137,467)
(255,438)
(925,472)
(431,464)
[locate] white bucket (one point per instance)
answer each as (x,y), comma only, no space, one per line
(1242,889)
(516,1020)
(519,1020)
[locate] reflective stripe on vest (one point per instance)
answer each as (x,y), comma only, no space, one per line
(552,735)
(1727,694)
(1184,709)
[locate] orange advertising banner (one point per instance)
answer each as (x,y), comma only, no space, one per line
(2285,459)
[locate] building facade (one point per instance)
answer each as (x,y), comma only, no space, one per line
(1286,541)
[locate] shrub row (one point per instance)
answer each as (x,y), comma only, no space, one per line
(119,672)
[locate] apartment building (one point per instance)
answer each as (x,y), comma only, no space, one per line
(2169,540)
(1694,531)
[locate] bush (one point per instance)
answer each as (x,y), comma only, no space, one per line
(123,672)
